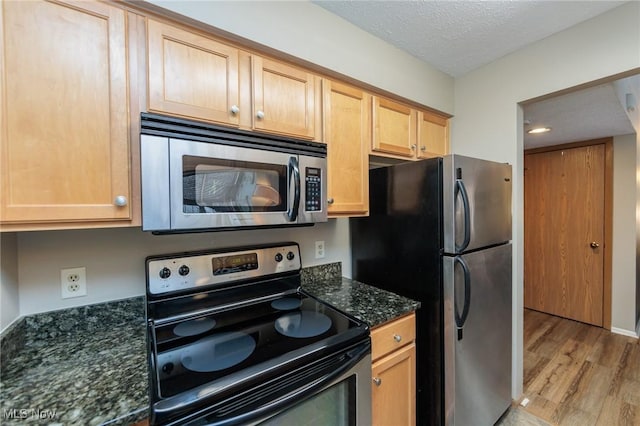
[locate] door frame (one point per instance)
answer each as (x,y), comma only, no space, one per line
(608,214)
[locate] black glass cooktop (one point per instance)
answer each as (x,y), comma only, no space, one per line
(200,350)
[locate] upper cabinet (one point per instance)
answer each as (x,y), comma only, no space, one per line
(347,121)
(394,128)
(433,135)
(64,115)
(400,131)
(283,98)
(191,75)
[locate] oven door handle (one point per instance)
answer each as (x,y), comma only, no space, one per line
(292,213)
(266,411)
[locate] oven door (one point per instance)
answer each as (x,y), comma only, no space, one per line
(339,396)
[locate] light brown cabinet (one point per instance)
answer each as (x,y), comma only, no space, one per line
(191,75)
(64,118)
(400,131)
(393,373)
(394,128)
(347,132)
(433,135)
(283,98)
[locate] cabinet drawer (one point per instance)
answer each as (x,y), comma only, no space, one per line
(392,335)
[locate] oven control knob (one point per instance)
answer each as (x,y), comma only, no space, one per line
(278,257)
(165,273)
(290,255)
(183,270)
(167,368)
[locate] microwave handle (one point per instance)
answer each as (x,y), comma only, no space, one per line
(293,168)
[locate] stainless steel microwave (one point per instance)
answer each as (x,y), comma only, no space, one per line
(197,176)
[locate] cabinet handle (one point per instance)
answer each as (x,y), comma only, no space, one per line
(234,109)
(397,338)
(260,115)
(330,201)
(423,148)
(413,146)
(120,201)
(377,381)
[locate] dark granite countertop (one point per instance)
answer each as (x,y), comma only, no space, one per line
(79,366)
(369,304)
(87,366)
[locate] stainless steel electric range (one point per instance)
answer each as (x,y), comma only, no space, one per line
(232,339)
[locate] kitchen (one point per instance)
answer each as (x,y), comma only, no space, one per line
(484,110)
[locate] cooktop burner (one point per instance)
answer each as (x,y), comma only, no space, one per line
(286,304)
(303,324)
(217,352)
(194,327)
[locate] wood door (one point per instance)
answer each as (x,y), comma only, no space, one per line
(393,388)
(564,215)
(433,135)
(64,117)
(394,128)
(347,116)
(191,75)
(283,98)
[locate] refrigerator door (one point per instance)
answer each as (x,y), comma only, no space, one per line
(476,203)
(478,347)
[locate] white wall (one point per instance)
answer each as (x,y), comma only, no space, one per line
(488,121)
(114,258)
(623,280)
(9,296)
(307,31)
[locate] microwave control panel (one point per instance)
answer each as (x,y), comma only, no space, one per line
(313,189)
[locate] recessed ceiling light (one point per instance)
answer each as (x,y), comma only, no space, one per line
(539,130)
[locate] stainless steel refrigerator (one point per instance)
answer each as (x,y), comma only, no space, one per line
(439,231)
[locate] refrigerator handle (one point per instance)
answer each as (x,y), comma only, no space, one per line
(461,319)
(460,188)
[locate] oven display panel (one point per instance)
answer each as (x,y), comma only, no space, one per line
(237,263)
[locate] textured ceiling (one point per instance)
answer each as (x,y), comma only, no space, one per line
(586,114)
(457,37)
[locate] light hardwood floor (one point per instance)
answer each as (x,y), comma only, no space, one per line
(577,374)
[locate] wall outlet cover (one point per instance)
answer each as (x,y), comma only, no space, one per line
(73,282)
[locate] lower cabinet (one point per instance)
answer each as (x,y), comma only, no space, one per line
(394,373)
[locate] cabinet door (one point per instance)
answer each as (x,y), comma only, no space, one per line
(394,128)
(283,98)
(191,75)
(433,135)
(347,134)
(65,144)
(393,388)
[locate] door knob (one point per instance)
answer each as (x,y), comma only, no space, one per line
(594,245)
(377,381)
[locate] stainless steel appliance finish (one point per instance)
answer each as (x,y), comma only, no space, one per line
(476,203)
(233,340)
(478,383)
(439,231)
(197,176)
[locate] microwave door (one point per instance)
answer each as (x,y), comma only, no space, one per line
(221,186)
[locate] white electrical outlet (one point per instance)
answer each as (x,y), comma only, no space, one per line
(73,282)
(319,249)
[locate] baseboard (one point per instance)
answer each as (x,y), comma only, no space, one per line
(629,333)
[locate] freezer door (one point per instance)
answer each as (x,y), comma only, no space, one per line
(476,203)
(477,310)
